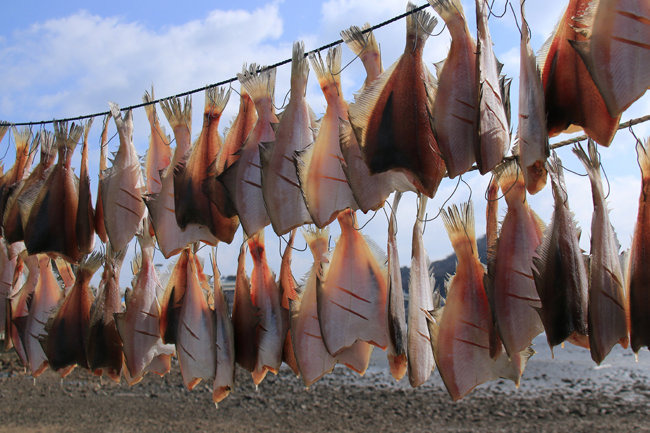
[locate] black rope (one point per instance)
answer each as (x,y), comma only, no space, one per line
(220,83)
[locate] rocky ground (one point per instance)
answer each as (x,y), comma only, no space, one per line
(567,393)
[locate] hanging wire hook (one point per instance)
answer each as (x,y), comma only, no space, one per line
(366,223)
(443,203)
(509,188)
(516,20)
(292,247)
(469,187)
(284,101)
(490,6)
(634,134)
(606,179)
(571,171)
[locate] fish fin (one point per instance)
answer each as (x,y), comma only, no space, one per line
(422,23)
(301,159)
(259,82)
(377,252)
(591,161)
(360,39)
(544,50)
(643,157)
(299,70)
(507,174)
(216,99)
(178,114)
(513,368)
(459,224)
(22,137)
(330,70)
(504,86)
(67,138)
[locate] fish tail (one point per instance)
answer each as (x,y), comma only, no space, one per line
(150,108)
(555,170)
(67,138)
(591,161)
(330,70)
(508,174)
(86,128)
(22,139)
(256,246)
(643,156)
(91,263)
(48,151)
(259,82)
(103,151)
(420,23)
(360,40)
(459,223)
(448,10)
(422,207)
(299,68)
(216,99)
(177,114)
(313,233)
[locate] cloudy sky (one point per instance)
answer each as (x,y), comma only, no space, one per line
(60,60)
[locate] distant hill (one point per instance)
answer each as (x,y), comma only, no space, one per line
(444,267)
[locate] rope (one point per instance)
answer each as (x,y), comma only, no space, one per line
(220,83)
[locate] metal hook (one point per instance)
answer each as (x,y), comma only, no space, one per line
(516,20)
(606,178)
(505,9)
(443,203)
(469,187)
(509,188)
(366,223)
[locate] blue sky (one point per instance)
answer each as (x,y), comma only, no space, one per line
(70,58)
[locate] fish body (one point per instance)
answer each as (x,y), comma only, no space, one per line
(617,53)
(280,186)
(514,292)
(8,260)
(18,303)
(560,269)
(243,179)
(224,377)
(238,131)
(420,356)
(289,289)
(320,173)
(571,95)
(456,110)
(159,153)
(85,225)
(11,180)
(100,226)
(532,135)
(391,117)
(397,334)
(608,307)
(245,317)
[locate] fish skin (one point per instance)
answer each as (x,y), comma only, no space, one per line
(420,356)
(239,130)
(493,126)
(245,317)
(122,186)
(289,289)
(10,277)
(322,180)
(608,307)
(24,157)
(195,343)
(456,109)
(224,378)
(191,204)
(397,331)
(515,296)
(65,336)
(100,226)
(12,224)
(532,135)
(159,153)
(243,179)
(560,269)
(85,225)
(103,343)
(51,226)
(391,118)
(283,199)
(138,325)
(370,190)
(18,303)
(313,359)
(617,53)
(352,299)
(571,95)
(170,236)
(638,273)
(47,296)
(172,298)
(270,332)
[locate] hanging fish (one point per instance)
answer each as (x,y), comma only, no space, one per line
(100,226)
(122,186)
(245,317)
(172,298)
(14,220)
(289,289)
(243,179)
(280,188)
(191,204)
(492,234)
(24,157)
(10,279)
(460,331)
(514,293)
(560,269)
(85,226)
(370,191)
(51,226)
(571,95)
(103,343)
(159,153)
(397,334)
(391,118)
(312,357)
(321,175)
(608,306)
(532,136)
(420,355)
(352,299)
(239,130)
(456,110)
(617,50)
(170,236)
(138,326)
(224,378)
(18,306)
(493,121)
(195,341)
(638,272)
(64,342)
